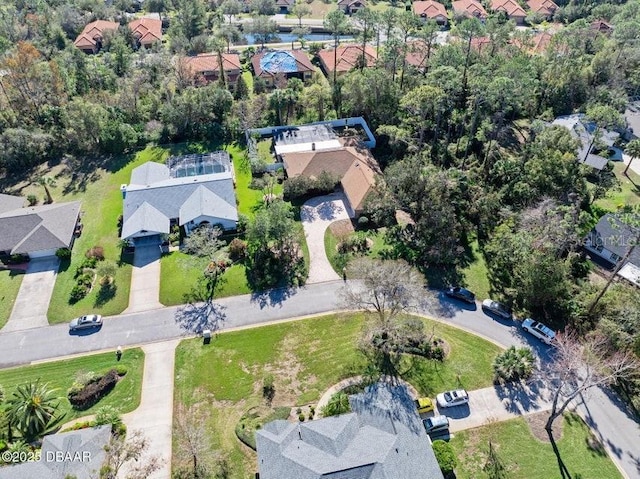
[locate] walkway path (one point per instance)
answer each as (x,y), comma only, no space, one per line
(635,164)
(145,280)
(316,215)
(154,416)
(32,303)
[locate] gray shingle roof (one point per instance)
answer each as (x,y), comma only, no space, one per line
(382,438)
(38,228)
(149,173)
(616,237)
(184,198)
(83,451)
(9,202)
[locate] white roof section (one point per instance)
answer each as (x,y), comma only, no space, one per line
(630,272)
(149,173)
(298,147)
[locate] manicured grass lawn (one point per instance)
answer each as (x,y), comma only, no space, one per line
(248,79)
(475,274)
(629,194)
(526,457)
(339,261)
(10,282)
(180,273)
(305,358)
(60,375)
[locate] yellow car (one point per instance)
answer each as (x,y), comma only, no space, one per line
(424,405)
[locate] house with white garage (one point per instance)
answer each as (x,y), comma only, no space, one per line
(187,191)
(36,231)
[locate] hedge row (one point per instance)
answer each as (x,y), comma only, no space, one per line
(93,391)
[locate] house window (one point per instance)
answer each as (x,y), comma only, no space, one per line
(615,258)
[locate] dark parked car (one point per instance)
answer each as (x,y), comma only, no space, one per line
(496,308)
(461,293)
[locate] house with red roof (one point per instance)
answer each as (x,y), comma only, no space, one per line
(544,8)
(146,31)
(91,38)
(536,43)
(271,64)
(205,67)
(512,8)
(347,58)
(418,54)
(469,8)
(430,10)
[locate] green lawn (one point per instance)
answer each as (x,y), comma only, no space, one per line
(305,358)
(180,273)
(475,275)
(339,261)
(9,285)
(60,375)
(526,457)
(629,193)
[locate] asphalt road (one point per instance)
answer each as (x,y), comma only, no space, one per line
(607,416)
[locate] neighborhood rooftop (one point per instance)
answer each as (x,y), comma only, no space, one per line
(199,164)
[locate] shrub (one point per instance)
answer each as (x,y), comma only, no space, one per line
(514,364)
(237,249)
(96,252)
(121,370)
(32,200)
(94,391)
(77,293)
(301,417)
(268,388)
(119,430)
(338,404)
(363,221)
(17,259)
(107,415)
(446,456)
(63,253)
(85,279)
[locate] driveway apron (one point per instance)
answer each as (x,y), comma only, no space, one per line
(145,279)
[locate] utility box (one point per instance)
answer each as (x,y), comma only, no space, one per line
(206,336)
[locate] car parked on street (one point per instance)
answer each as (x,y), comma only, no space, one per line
(456,397)
(539,330)
(86,322)
(436,424)
(462,294)
(424,405)
(496,308)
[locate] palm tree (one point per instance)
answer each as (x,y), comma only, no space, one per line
(338,404)
(633,150)
(32,410)
(513,365)
(46,182)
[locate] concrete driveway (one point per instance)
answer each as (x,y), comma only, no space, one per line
(635,165)
(145,279)
(316,215)
(32,303)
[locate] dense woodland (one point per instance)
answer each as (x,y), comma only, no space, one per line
(463,141)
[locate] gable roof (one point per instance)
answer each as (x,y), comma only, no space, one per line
(281,61)
(601,26)
(429,9)
(511,7)
(92,31)
(615,236)
(348,57)
(208,62)
(38,228)
(382,438)
(469,8)
(581,130)
(146,30)
(348,3)
(285,3)
(154,198)
(85,447)
(543,7)
(537,43)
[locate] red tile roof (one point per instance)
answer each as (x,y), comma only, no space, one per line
(469,8)
(511,7)
(417,54)
(93,31)
(302,62)
(208,62)
(347,57)
(543,7)
(147,30)
(429,9)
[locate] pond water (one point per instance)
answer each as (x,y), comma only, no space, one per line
(290,37)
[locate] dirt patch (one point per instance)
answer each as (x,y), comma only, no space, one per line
(537,422)
(342,228)
(286,372)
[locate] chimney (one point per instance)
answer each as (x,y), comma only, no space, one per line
(313,147)
(123,190)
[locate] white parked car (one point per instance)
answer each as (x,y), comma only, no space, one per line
(452,398)
(539,330)
(86,322)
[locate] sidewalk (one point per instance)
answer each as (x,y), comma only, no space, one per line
(145,280)
(154,416)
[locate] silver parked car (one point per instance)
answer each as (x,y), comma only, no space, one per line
(457,397)
(539,330)
(436,424)
(496,308)
(86,322)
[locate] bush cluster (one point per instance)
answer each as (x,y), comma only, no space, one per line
(303,187)
(96,252)
(94,390)
(237,249)
(354,244)
(84,274)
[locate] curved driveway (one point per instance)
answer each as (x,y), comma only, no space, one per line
(607,416)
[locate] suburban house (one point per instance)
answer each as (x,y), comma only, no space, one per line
(430,10)
(285,63)
(351,6)
(91,38)
(79,454)
(469,8)
(146,31)
(584,131)
(36,231)
(381,438)
(205,67)
(188,191)
(347,58)
(512,9)
(544,8)
(600,26)
(536,43)
(284,6)
(610,240)
(418,54)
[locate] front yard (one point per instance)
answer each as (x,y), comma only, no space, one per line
(629,192)
(305,358)
(10,282)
